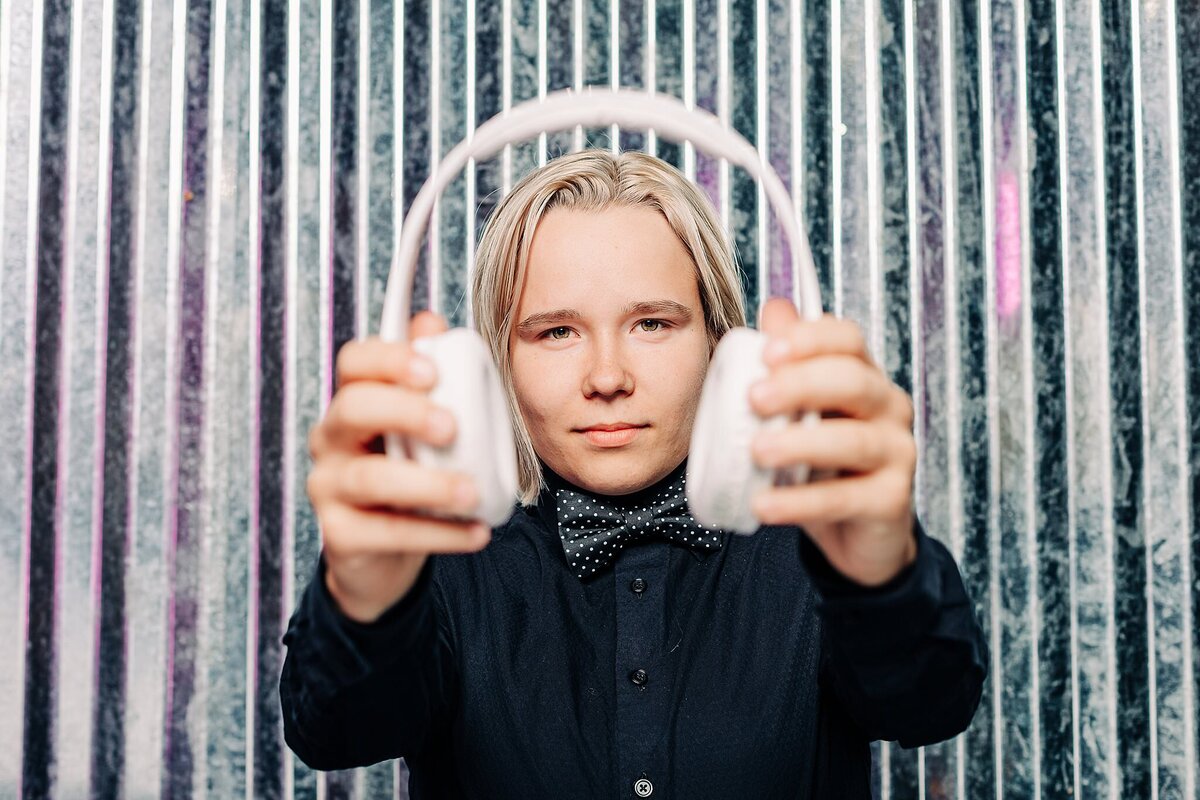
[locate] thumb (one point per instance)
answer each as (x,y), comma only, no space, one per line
(426,323)
(777,315)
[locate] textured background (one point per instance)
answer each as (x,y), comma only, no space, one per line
(198,203)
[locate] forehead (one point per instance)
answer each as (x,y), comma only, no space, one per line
(593,259)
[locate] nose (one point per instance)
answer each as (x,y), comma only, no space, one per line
(607,374)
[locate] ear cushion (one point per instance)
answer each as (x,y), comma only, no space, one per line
(469,387)
(722,478)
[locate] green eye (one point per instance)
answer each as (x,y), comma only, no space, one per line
(560,332)
(651,325)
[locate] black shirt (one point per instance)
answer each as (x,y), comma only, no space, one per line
(754,670)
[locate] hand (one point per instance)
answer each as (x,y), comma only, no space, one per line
(862,517)
(376,534)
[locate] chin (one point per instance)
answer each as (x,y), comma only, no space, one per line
(619,474)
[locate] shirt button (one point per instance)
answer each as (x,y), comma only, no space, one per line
(642,787)
(637,585)
(639,677)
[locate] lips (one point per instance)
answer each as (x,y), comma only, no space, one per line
(615,434)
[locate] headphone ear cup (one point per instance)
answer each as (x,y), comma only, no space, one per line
(469,387)
(722,478)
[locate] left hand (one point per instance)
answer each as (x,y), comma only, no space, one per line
(862,516)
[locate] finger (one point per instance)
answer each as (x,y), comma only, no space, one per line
(383,483)
(803,339)
(838,384)
(885,495)
(777,316)
(840,445)
(351,532)
(387,362)
(426,323)
(360,412)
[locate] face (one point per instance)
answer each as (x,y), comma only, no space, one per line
(609,351)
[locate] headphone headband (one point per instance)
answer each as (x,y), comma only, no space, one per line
(596,108)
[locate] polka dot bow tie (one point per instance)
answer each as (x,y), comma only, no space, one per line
(595,529)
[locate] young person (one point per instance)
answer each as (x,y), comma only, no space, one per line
(601,643)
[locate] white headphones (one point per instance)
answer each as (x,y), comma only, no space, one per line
(721,476)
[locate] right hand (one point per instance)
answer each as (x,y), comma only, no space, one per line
(375,535)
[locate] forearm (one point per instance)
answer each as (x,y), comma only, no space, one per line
(908,659)
(354,693)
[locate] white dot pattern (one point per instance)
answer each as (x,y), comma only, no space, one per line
(595,529)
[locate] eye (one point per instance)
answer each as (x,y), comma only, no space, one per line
(561,332)
(652,325)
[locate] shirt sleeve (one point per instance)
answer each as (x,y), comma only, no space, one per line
(906,660)
(355,694)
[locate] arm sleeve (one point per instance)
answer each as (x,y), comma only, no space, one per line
(906,660)
(354,694)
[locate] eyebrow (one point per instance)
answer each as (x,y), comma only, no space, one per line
(648,308)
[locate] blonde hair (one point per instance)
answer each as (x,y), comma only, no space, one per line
(594,180)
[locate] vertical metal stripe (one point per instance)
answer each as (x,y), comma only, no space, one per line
(541,81)
(147,636)
(762,136)
(266,773)
(1186,63)
(614,65)
(187,398)
(953,413)
(292,359)
(1108,525)
(325,233)
(12,618)
(723,107)
(796,145)
(689,80)
(1028,391)
(873,100)
(1130,610)
(837,127)
(472,220)
(78,433)
(1064,221)
(117,237)
(1188,755)
(51,251)
(1139,177)
(362,193)
(1164,416)
(39,780)
(988,114)
(915,285)
(435,235)
(344,166)
(505,87)
(577,49)
(651,66)
(342,39)
(818,137)
(949,168)
(399,207)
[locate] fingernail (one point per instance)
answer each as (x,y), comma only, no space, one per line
(777,349)
(440,424)
(420,369)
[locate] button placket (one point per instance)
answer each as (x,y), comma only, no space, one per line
(640,584)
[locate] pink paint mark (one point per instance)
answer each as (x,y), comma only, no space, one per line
(1008,246)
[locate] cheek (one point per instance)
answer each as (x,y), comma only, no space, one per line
(535,392)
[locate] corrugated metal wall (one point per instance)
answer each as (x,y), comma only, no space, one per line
(199,203)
